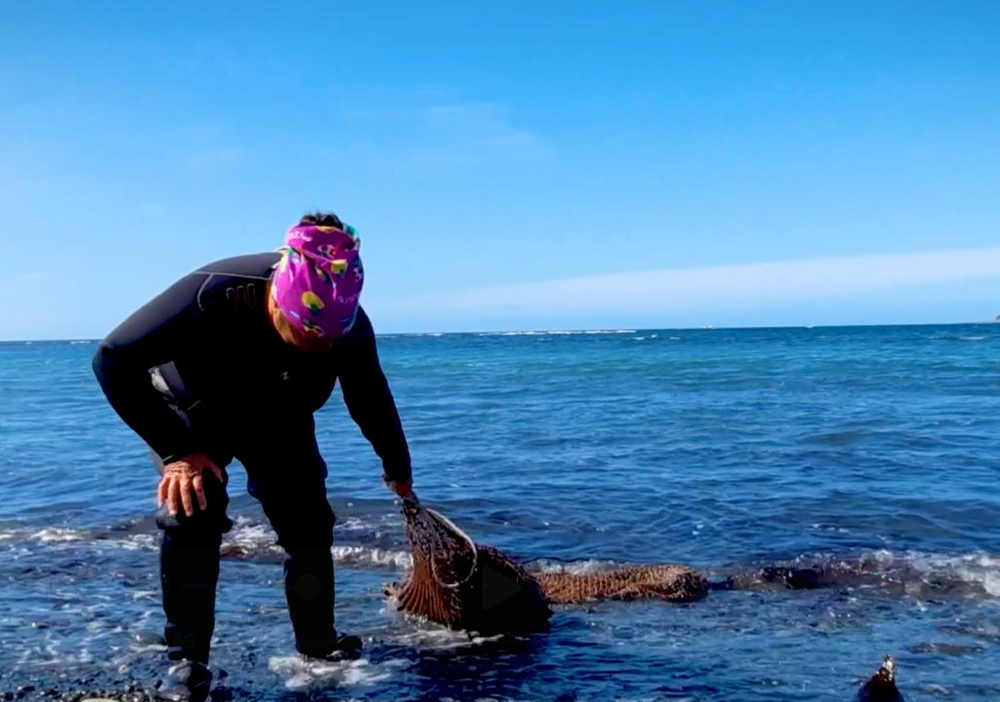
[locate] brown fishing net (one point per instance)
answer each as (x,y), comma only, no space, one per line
(465,585)
(673,583)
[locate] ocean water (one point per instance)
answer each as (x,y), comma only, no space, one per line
(874,452)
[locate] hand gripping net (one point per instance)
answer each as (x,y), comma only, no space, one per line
(452,554)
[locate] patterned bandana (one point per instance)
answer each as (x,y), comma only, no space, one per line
(318,281)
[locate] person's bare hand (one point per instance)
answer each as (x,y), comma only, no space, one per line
(184,477)
(402,488)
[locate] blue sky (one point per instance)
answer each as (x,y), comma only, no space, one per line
(510,165)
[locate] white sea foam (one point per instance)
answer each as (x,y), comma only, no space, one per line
(59,535)
(139,542)
(364,555)
(917,569)
(356,524)
(251,537)
(302,675)
(575,567)
(247,538)
(974,568)
(353,524)
(557,332)
(425,635)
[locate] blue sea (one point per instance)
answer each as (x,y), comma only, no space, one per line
(873,452)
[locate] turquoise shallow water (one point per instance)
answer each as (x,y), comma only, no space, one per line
(872,451)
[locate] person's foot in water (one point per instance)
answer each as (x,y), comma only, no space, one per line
(186,681)
(348,647)
(345,647)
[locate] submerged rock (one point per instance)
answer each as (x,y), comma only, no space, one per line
(881,687)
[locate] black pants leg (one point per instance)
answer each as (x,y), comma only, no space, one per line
(189,572)
(288,477)
(189,548)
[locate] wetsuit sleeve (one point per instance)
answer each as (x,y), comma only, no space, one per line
(369,400)
(122,364)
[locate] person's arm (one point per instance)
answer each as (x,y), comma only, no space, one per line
(370,403)
(122,364)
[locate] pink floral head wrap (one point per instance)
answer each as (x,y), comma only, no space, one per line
(318,281)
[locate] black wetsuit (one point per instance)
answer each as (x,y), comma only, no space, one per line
(201,369)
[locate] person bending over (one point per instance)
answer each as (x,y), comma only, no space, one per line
(232,361)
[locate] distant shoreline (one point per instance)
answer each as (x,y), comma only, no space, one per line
(582,331)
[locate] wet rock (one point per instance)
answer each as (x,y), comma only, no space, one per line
(881,687)
(793,578)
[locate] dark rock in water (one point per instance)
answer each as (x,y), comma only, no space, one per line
(222,693)
(881,687)
(724,584)
(793,578)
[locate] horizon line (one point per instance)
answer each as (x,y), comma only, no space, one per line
(596,330)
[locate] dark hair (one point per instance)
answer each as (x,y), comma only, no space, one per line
(322,219)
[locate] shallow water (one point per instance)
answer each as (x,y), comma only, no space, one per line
(871,451)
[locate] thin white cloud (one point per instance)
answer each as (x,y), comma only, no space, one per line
(487,124)
(724,287)
(432,132)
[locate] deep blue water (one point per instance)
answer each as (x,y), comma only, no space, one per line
(873,451)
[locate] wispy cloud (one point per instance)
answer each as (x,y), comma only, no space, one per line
(433,131)
(488,124)
(724,287)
